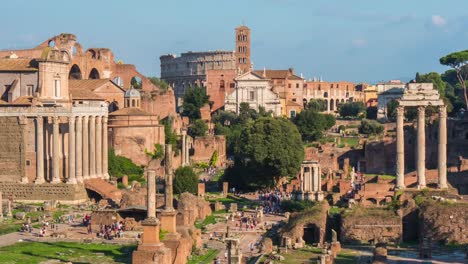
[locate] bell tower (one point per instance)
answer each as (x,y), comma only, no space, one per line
(242,53)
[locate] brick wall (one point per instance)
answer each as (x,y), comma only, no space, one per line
(204,147)
(66,193)
(11,150)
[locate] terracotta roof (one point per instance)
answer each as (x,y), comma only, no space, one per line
(15,65)
(130,111)
(90,84)
(274,74)
(295,77)
(84,94)
(291,103)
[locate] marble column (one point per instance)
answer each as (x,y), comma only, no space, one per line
(39,151)
(400,137)
(168,184)
(71,151)
(98,147)
(443,147)
(301,178)
(79,149)
(105,149)
(421,162)
(151,199)
(23,121)
(85,147)
(56,151)
(316,179)
(92,147)
(184,146)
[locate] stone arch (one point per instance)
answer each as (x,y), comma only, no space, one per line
(94,74)
(51,43)
(342,101)
(75,73)
(92,54)
(325,94)
(332,105)
(337,103)
(304,102)
(113,106)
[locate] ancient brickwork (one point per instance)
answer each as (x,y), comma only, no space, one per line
(65,193)
(204,147)
(11,150)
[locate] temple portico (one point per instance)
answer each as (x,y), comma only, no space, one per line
(421,95)
(310,182)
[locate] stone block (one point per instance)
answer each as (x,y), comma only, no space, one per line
(233,207)
(20,215)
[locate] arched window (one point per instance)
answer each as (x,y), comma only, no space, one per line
(75,73)
(325,94)
(94,74)
(133,102)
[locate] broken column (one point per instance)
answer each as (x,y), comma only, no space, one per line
(443,147)
(9,213)
(233,249)
(225,188)
(150,249)
(168,215)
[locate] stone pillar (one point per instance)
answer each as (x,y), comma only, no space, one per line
(151,199)
(79,149)
(9,213)
(40,151)
(105,153)
(168,184)
(98,147)
(85,143)
(316,176)
(400,136)
(56,151)
(301,178)
(92,147)
(1,207)
(421,163)
(443,147)
(23,121)
(71,151)
(184,147)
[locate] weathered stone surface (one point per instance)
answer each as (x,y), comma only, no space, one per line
(66,193)
(20,215)
(191,208)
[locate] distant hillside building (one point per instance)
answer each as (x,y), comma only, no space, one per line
(214,70)
(255,90)
(334,93)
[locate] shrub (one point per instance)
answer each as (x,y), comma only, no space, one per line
(185,180)
(119,166)
(198,128)
(370,127)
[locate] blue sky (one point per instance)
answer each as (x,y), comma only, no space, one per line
(360,40)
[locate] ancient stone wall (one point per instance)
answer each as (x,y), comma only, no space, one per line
(365,225)
(159,103)
(65,193)
(12,150)
(444,222)
(204,147)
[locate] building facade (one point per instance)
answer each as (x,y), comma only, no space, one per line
(386,92)
(333,93)
(255,90)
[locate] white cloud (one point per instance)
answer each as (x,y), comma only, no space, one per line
(438,21)
(359,43)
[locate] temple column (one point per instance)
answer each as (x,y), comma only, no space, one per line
(151,200)
(105,142)
(23,121)
(40,151)
(400,137)
(301,178)
(443,147)
(56,150)
(421,163)
(71,151)
(79,150)
(85,147)
(98,147)
(92,147)
(316,180)
(168,183)
(184,147)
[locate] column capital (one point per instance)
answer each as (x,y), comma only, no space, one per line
(71,119)
(421,108)
(400,110)
(442,111)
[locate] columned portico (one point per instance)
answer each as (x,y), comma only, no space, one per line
(71,151)
(39,151)
(56,150)
(105,142)
(92,147)
(421,145)
(79,149)
(310,182)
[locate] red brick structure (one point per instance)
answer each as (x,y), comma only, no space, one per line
(242,52)
(334,93)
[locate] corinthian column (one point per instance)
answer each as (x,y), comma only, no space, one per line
(79,150)
(421,164)
(92,147)
(400,137)
(98,147)
(105,141)
(85,147)
(151,199)
(184,146)
(40,151)
(71,150)
(443,147)
(56,151)
(168,183)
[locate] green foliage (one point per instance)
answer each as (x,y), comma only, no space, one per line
(458,61)
(161,84)
(318,105)
(370,127)
(194,99)
(391,109)
(170,136)
(267,149)
(434,78)
(311,124)
(371,112)
(157,153)
(136,83)
(198,128)
(119,166)
(185,180)
(352,109)
(214,158)
(204,259)
(295,206)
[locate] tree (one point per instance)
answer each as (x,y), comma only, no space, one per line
(391,109)
(268,148)
(194,99)
(352,109)
(458,61)
(370,127)
(198,128)
(161,84)
(136,83)
(170,136)
(371,112)
(435,79)
(157,153)
(311,124)
(185,180)
(318,105)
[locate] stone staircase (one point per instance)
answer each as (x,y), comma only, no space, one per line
(104,188)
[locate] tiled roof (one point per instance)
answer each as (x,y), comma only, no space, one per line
(274,74)
(90,84)
(291,103)
(294,77)
(14,65)
(84,94)
(130,111)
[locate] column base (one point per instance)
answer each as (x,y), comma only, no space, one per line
(79,179)
(24,180)
(39,182)
(168,220)
(106,176)
(420,187)
(56,181)
(443,187)
(72,181)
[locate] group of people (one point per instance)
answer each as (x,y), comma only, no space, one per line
(112,231)
(272,200)
(26,228)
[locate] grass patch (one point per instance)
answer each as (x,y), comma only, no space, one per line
(204,259)
(211,219)
(303,255)
(35,252)
(382,176)
(9,228)
(350,141)
(346,257)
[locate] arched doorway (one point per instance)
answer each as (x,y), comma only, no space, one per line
(75,73)
(332,105)
(114,106)
(94,74)
(311,234)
